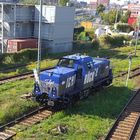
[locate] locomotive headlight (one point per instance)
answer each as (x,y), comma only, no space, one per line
(54,91)
(63,82)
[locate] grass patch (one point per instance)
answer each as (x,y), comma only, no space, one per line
(88,119)
(11,104)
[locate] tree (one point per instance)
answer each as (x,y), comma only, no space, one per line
(110,17)
(63,2)
(33,2)
(100,8)
(125,17)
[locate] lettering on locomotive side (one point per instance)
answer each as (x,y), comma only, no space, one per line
(70,81)
(89,77)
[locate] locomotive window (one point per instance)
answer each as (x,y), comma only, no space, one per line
(66,63)
(89,65)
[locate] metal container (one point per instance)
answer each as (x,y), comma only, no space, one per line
(16,45)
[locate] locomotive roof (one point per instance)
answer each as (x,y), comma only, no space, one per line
(77,57)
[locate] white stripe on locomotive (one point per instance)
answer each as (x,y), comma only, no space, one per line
(70,81)
(89,77)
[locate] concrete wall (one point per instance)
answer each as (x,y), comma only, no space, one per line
(47,31)
(59,29)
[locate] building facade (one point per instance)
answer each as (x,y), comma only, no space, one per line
(16,21)
(135,12)
(22,21)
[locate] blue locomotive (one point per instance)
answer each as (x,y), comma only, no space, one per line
(71,79)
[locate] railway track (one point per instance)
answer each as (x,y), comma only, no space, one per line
(9,130)
(134,72)
(19,77)
(127,123)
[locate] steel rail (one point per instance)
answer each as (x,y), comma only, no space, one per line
(26,120)
(110,133)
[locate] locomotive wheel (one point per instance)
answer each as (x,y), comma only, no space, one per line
(107,83)
(84,94)
(42,98)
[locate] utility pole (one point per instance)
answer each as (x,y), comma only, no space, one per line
(39,39)
(117,13)
(137,35)
(2,28)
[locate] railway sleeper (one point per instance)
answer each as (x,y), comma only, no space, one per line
(123,131)
(124,128)
(38,117)
(120,134)
(30,122)
(118,137)
(8,131)
(33,119)
(132,117)
(4,135)
(130,120)
(42,116)
(24,123)
(45,113)
(126,123)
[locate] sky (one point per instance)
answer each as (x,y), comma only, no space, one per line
(112,1)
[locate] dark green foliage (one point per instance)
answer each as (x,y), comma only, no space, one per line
(63,2)
(112,41)
(100,8)
(134,42)
(124,27)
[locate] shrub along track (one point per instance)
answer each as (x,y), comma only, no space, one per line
(9,130)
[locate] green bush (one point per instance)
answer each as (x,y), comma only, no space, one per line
(134,42)
(77,31)
(124,27)
(84,45)
(23,57)
(106,41)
